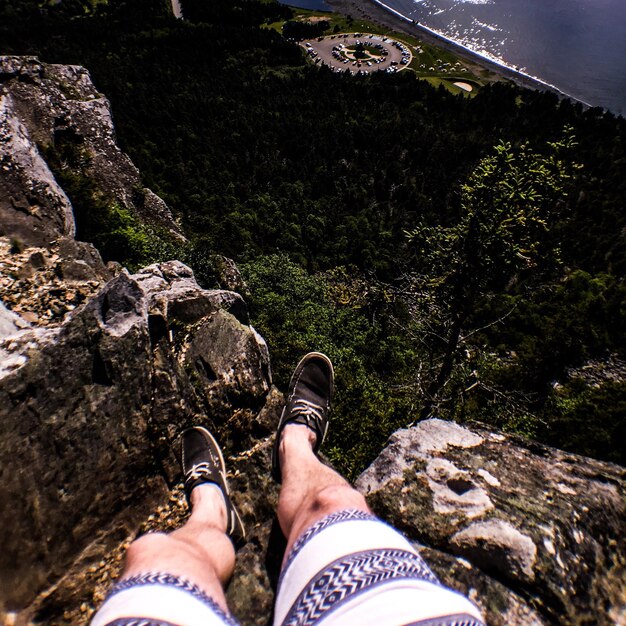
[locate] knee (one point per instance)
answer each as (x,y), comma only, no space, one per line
(337,497)
(146,547)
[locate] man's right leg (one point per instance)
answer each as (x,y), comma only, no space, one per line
(310,490)
(342,565)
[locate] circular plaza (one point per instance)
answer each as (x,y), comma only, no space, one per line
(359,53)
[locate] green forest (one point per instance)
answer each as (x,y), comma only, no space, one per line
(460,257)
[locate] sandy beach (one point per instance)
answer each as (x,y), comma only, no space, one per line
(370,10)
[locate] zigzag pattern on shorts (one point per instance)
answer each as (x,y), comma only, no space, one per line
(350,576)
(325,522)
(171,581)
(450,620)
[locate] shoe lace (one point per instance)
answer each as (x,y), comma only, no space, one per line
(199,471)
(309,410)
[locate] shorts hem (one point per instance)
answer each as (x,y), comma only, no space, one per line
(344,515)
(350,578)
(460,619)
(166,580)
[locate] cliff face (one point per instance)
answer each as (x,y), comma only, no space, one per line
(58,106)
(44,271)
(101,370)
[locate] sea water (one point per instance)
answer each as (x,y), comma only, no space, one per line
(578,46)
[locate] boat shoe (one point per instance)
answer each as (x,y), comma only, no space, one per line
(202,462)
(308,402)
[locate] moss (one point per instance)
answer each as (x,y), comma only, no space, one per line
(17,246)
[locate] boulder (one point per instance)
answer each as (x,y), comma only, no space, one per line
(91,411)
(534,535)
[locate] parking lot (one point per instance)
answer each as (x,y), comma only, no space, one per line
(359,53)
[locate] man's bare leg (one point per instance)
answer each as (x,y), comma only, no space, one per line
(347,564)
(310,490)
(180,577)
(200,551)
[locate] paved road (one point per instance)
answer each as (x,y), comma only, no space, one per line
(176,8)
(322,52)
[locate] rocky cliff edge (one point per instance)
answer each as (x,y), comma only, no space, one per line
(101,370)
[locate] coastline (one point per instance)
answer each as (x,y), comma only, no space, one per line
(378,11)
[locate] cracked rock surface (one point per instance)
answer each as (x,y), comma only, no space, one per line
(534,535)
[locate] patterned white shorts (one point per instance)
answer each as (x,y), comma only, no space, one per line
(159,600)
(351,568)
(348,568)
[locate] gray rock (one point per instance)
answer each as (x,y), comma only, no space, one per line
(183,298)
(10,323)
(75,269)
(48,105)
(498,546)
(596,373)
(33,208)
(427,438)
(495,597)
(455,491)
(37,260)
(536,535)
(105,395)
(67,248)
(230,277)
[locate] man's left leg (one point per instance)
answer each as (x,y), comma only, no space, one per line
(179,577)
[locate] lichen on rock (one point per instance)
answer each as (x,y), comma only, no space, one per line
(541,531)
